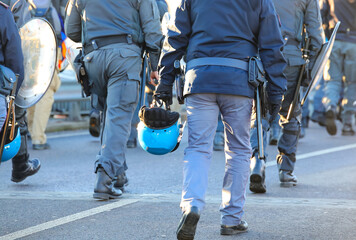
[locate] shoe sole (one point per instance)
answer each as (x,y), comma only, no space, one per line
(104,196)
(288,184)
(330,122)
(256,184)
(227,231)
(93,127)
(186,230)
(17,180)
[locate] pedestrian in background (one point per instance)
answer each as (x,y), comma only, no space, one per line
(341,75)
(112,34)
(219,37)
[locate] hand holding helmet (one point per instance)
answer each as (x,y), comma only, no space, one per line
(164,92)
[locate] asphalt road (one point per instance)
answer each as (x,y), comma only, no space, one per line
(57,202)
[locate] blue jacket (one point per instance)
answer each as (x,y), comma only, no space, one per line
(346,13)
(228,29)
(10,44)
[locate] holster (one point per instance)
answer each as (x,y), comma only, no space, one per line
(257,78)
(7,80)
(81,73)
(179,81)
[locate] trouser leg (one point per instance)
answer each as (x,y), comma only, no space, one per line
(3,110)
(287,145)
(333,80)
(236,115)
(202,117)
(120,105)
(40,113)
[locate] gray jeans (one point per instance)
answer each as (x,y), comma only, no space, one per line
(203,111)
(115,74)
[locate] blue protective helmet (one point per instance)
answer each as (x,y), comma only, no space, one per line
(158,130)
(13,147)
(158,141)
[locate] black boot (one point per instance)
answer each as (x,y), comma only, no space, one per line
(121,182)
(23,167)
(188,224)
(347,130)
(257,178)
(104,187)
(330,117)
(287,178)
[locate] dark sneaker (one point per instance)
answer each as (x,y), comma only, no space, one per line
(131,143)
(121,182)
(23,169)
(257,177)
(94,123)
(232,230)
(318,117)
(287,178)
(347,130)
(188,224)
(330,117)
(41,146)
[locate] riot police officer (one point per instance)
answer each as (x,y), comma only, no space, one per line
(11,57)
(219,37)
(293,15)
(113,34)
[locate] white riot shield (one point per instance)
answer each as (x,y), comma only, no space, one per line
(39,47)
(320,63)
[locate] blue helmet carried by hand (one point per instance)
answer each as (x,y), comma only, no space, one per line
(11,148)
(158,130)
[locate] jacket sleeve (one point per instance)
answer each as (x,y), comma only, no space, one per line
(270,44)
(175,43)
(72,23)
(11,40)
(151,27)
(313,23)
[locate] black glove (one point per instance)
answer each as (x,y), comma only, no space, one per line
(164,92)
(273,111)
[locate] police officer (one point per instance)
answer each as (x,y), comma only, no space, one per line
(294,14)
(342,64)
(132,141)
(11,57)
(219,37)
(113,34)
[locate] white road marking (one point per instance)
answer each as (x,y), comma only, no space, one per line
(67,219)
(317,153)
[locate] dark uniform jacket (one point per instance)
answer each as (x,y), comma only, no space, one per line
(346,13)
(88,20)
(227,29)
(10,43)
(293,15)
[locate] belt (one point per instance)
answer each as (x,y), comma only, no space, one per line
(217,61)
(104,41)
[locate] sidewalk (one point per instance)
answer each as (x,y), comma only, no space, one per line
(58,124)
